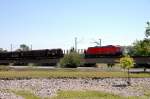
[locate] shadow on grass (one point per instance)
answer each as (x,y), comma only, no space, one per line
(120,85)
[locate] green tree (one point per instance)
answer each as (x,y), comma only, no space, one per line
(127,62)
(147,31)
(71,60)
(141,48)
(2,50)
(23,47)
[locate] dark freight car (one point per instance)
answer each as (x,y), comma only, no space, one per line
(32,54)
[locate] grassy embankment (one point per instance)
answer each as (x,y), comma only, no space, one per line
(64,73)
(78,95)
(92,95)
(69,73)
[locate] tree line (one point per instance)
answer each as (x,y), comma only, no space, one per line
(22,47)
(141,47)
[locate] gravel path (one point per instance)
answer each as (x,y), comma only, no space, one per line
(49,87)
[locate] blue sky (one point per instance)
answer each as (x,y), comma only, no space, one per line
(55,23)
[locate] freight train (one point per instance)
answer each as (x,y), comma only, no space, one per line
(32,54)
(42,57)
(98,54)
(56,54)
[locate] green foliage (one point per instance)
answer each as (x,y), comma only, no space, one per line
(141,48)
(26,94)
(23,47)
(71,60)
(126,62)
(147,31)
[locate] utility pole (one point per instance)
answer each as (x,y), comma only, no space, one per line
(31,46)
(11,47)
(100,42)
(75,43)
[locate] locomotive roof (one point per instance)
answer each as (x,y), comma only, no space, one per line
(42,50)
(105,46)
(31,50)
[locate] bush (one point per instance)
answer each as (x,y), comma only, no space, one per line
(127,62)
(71,60)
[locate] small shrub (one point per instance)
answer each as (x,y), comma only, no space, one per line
(127,62)
(71,60)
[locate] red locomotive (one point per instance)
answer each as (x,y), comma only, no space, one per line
(101,51)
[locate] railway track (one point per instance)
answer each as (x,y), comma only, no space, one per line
(105,60)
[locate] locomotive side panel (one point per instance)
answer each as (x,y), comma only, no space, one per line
(109,50)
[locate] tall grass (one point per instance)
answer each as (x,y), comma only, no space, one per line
(71,73)
(26,94)
(91,95)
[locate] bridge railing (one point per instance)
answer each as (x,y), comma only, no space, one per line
(67,51)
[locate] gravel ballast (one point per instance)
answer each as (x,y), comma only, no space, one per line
(50,87)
